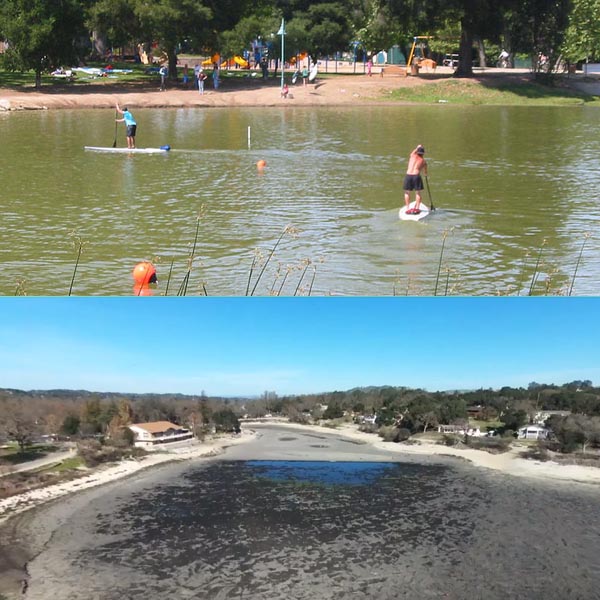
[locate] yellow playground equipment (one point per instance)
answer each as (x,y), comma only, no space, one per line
(417,54)
(226,64)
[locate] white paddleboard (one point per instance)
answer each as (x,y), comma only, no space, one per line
(128,150)
(313,72)
(424,212)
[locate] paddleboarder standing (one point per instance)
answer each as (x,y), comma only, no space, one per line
(130,124)
(413,180)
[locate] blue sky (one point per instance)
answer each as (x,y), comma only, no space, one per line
(244,346)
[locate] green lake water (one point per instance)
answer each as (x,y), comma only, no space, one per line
(516,191)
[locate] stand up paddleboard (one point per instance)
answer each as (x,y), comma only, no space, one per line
(161,150)
(313,72)
(408,217)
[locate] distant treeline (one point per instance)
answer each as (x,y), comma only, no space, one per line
(68,412)
(26,415)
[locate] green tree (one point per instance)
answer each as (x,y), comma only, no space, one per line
(333,411)
(513,419)
(226,420)
(41,34)
(328,27)
(114,22)
(169,22)
(70,425)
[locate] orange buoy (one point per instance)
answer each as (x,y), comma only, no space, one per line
(261,164)
(142,289)
(144,273)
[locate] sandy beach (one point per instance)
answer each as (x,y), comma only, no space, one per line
(340,90)
(17,504)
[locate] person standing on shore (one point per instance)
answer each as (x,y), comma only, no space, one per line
(413,180)
(130,124)
(216,76)
(164,70)
(201,78)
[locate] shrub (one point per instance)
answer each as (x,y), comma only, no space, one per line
(402,434)
(368,428)
(301,418)
(451,439)
(489,444)
(538,451)
(388,433)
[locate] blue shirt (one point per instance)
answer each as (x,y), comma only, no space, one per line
(129,120)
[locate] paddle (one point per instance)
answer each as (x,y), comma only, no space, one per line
(115,142)
(429,193)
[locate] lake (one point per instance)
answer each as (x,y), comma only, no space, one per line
(299,515)
(514,187)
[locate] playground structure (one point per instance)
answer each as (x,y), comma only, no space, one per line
(417,58)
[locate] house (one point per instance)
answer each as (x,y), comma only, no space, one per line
(533,432)
(543,415)
(460,430)
(159,432)
(475,412)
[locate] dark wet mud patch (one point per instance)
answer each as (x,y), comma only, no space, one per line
(299,530)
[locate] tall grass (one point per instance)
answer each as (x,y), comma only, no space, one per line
(586,236)
(79,246)
(287,230)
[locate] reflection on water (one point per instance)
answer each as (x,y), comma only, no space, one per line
(331,473)
(507,183)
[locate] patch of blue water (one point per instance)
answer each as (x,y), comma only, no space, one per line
(329,473)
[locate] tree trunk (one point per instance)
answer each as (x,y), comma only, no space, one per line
(480,51)
(173,64)
(38,79)
(465,53)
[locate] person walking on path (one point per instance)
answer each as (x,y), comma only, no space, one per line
(413,180)
(130,124)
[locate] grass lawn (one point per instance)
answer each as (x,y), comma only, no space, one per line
(493,91)
(12,456)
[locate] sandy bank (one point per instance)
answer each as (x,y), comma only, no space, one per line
(510,462)
(22,502)
(341,90)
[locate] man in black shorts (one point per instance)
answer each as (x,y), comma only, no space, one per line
(413,180)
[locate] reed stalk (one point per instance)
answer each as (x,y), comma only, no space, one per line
(312,281)
(287,229)
(184,284)
(79,244)
(437,279)
(536,268)
(522,277)
(585,239)
(254,258)
(282,283)
(20,289)
(447,281)
(169,277)
(306,265)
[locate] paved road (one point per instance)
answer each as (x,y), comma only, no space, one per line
(51,458)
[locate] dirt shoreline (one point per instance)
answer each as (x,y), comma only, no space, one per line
(338,90)
(341,90)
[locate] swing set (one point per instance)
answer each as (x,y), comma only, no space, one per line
(416,57)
